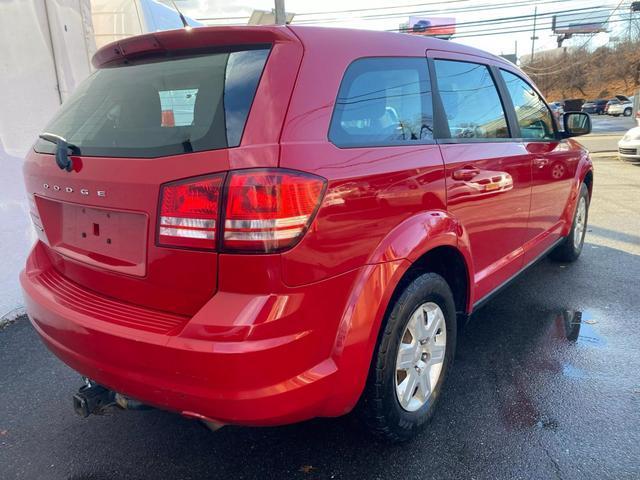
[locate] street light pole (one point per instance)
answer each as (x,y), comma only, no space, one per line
(534,38)
(281,18)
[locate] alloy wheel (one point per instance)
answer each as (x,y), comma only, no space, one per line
(421,356)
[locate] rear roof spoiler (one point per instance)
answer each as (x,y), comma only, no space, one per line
(187,39)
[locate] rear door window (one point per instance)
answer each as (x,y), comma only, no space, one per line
(156,108)
(534,117)
(470,99)
(383,101)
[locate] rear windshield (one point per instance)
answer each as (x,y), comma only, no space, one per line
(177,105)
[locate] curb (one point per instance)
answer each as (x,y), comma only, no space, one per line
(11,316)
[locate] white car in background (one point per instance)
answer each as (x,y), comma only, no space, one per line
(629,145)
(622,108)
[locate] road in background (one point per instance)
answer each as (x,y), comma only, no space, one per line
(545,385)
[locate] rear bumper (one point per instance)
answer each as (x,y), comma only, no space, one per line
(280,370)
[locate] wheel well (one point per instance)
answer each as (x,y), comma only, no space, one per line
(588,181)
(447,262)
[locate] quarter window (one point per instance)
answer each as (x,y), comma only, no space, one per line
(383,101)
(534,117)
(470,100)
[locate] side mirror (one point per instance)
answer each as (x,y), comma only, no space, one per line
(576,123)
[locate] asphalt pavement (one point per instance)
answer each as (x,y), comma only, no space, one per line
(606,132)
(606,124)
(545,385)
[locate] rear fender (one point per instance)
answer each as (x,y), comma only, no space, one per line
(377,281)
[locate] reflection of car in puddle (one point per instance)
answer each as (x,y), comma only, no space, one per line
(547,361)
(578,328)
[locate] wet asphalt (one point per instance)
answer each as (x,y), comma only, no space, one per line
(546,385)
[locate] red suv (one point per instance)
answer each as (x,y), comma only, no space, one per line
(260,225)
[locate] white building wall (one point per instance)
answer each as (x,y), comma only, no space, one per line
(45,52)
(32,34)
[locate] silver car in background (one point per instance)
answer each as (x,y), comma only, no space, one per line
(622,108)
(629,145)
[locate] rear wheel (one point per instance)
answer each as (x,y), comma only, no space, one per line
(571,247)
(627,112)
(411,361)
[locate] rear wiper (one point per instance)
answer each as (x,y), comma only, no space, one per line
(62,150)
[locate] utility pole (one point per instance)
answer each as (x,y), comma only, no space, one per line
(534,38)
(281,18)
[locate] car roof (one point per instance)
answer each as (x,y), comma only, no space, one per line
(348,35)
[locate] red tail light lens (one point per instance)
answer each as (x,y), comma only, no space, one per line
(269,210)
(189,213)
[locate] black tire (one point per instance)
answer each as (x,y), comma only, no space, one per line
(568,250)
(627,112)
(379,406)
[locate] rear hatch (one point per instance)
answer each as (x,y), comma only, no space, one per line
(163,113)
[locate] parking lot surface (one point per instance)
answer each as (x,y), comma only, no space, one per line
(605,124)
(606,132)
(545,385)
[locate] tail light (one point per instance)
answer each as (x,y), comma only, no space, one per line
(267,210)
(189,211)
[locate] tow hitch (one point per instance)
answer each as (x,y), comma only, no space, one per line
(92,398)
(96,399)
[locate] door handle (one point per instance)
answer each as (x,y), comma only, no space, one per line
(540,162)
(465,173)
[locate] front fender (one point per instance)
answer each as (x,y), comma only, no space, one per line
(373,289)
(584,167)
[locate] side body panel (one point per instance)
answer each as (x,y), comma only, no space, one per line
(558,167)
(488,192)
(384,206)
(494,221)
(371,190)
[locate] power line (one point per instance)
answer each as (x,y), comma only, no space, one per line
(385,16)
(467,28)
(505,31)
(555,71)
(355,10)
(522,18)
(396,14)
(546,23)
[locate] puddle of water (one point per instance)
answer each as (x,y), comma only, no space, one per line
(579,328)
(574,330)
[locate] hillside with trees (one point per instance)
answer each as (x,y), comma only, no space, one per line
(580,73)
